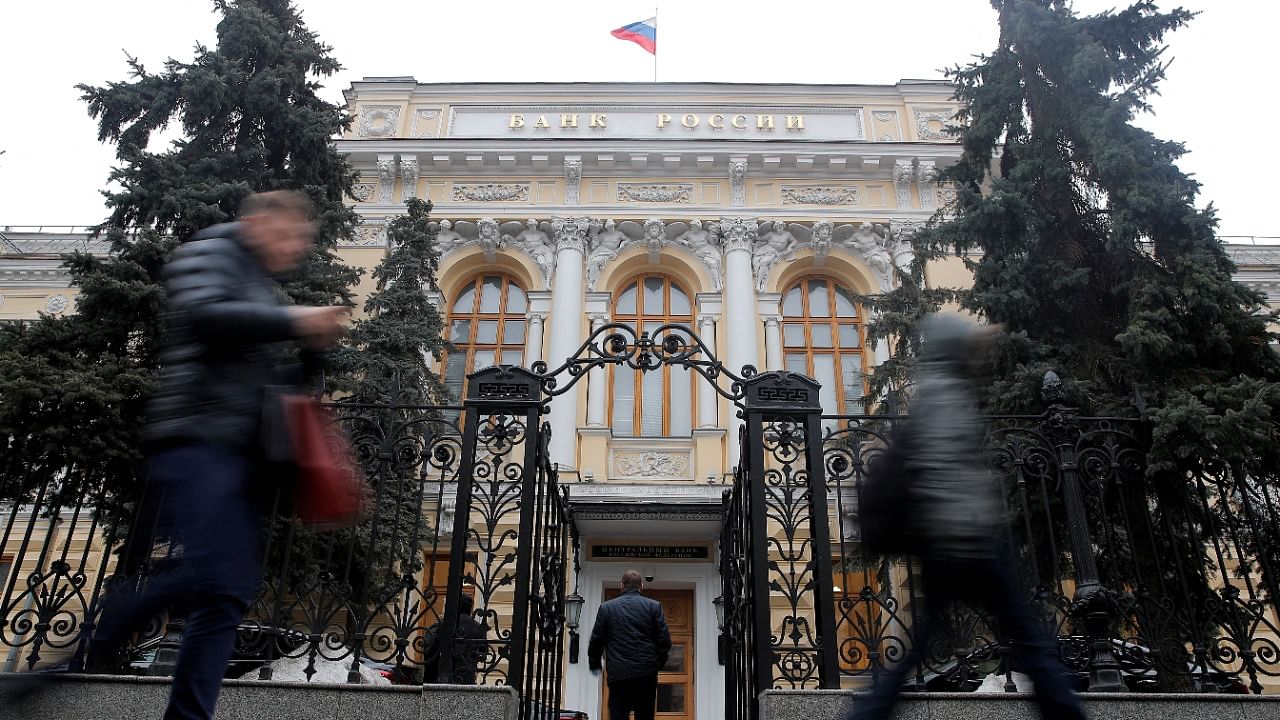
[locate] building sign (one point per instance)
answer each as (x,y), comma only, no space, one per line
(656,122)
(621,551)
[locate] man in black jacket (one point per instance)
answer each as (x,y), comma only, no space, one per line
(227,330)
(631,632)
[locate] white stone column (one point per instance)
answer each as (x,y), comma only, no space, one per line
(539,306)
(707,397)
(739,236)
(769,306)
(570,238)
(596,391)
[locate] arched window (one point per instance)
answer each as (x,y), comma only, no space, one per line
(657,403)
(486,326)
(822,338)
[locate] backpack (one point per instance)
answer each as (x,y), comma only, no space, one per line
(885,501)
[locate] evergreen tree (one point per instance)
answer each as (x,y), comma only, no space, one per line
(250,120)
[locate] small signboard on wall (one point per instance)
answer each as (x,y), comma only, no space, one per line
(660,553)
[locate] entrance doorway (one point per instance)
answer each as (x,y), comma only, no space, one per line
(675,681)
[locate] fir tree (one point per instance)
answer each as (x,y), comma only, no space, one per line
(250,120)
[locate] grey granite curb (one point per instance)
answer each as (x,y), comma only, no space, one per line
(836,705)
(99,697)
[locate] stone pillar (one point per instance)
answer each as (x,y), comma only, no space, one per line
(741,320)
(769,306)
(707,397)
(570,238)
(596,379)
(539,306)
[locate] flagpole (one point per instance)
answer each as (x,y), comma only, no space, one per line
(655,49)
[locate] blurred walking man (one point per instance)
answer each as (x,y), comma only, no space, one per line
(631,632)
(956,515)
(227,331)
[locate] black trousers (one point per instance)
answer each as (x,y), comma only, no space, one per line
(638,695)
(988,583)
(207,507)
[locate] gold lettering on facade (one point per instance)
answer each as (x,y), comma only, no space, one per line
(569,120)
(598,120)
(663,119)
(716,121)
(795,122)
(542,122)
(689,120)
(764,122)
(517,121)
(739,121)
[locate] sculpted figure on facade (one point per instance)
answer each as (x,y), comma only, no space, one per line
(702,243)
(776,243)
(409,176)
(869,241)
(572,181)
(608,242)
(386,177)
(902,174)
(737,183)
(446,237)
(821,240)
(532,239)
(901,233)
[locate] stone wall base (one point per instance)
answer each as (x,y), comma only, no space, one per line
(99,697)
(836,705)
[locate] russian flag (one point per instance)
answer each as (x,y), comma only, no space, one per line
(643,33)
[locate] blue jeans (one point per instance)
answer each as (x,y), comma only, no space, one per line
(207,509)
(987,583)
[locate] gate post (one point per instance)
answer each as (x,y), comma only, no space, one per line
(791,543)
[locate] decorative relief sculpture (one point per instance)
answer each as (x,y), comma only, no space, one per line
(424,120)
(409,176)
(491,192)
(924,124)
(651,464)
(446,237)
(363,191)
(56,304)
(371,235)
(738,183)
(884,116)
(571,233)
(533,240)
(679,194)
(737,233)
(608,242)
(870,242)
(901,232)
(776,243)
(820,195)
(902,174)
(927,173)
(947,198)
(378,120)
(386,177)
(572,182)
(704,246)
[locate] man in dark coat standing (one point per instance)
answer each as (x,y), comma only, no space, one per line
(631,632)
(227,330)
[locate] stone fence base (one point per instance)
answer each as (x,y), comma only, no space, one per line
(103,697)
(836,704)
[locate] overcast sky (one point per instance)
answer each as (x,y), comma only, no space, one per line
(54,167)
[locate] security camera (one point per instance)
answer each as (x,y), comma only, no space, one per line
(648,578)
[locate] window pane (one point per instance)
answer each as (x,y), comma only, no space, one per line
(466,300)
(511,356)
(792,305)
(675,659)
(455,369)
(515,300)
(484,359)
(671,698)
(627,301)
(819,299)
(679,302)
(651,403)
(849,336)
(795,363)
(491,294)
(513,332)
(851,369)
(461,332)
(681,406)
(793,335)
(653,303)
(623,400)
(824,371)
(487,332)
(820,335)
(844,303)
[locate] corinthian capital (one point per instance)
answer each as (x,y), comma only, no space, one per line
(738,233)
(570,233)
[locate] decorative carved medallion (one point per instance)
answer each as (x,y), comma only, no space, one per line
(378,120)
(820,195)
(884,116)
(651,464)
(56,304)
(491,192)
(925,120)
(630,192)
(363,191)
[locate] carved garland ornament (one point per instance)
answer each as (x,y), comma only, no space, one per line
(379,120)
(491,192)
(681,194)
(652,464)
(363,191)
(924,129)
(819,196)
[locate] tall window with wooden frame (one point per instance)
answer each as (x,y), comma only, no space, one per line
(657,403)
(486,326)
(822,337)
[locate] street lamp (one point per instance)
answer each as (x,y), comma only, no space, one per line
(572,615)
(721,638)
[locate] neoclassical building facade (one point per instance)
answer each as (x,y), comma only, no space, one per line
(754,214)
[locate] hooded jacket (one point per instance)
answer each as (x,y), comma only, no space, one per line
(957,510)
(227,329)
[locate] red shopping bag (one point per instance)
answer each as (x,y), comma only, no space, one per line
(329,489)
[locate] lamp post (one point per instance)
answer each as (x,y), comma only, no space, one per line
(719,603)
(572,615)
